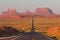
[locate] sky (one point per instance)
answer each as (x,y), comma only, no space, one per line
(23,5)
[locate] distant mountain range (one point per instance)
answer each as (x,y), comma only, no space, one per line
(41,12)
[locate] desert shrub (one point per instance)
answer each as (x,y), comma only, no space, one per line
(8,31)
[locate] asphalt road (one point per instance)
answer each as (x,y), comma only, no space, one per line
(29,36)
(33,36)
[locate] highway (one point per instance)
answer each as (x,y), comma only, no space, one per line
(29,36)
(32,35)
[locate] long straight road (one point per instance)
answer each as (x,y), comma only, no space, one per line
(32,35)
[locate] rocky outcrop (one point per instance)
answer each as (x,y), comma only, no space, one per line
(43,11)
(10,14)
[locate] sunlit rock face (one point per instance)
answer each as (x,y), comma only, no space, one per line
(10,14)
(44,12)
(12,11)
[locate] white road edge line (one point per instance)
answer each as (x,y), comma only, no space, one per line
(49,38)
(17,37)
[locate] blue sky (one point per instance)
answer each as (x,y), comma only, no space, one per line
(23,5)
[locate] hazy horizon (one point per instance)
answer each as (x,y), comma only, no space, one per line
(23,5)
